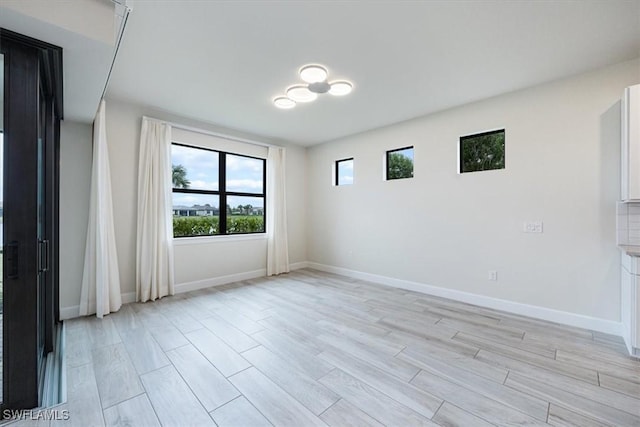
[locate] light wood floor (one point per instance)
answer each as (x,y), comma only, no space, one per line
(310,348)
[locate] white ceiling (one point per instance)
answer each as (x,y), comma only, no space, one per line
(224,62)
(84,29)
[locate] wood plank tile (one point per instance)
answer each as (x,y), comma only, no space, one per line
(589,391)
(180,317)
(627,386)
(417,352)
(371,331)
(83,398)
(223,357)
(274,403)
(149,313)
(343,413)
(167,336)
(300,332)
(172,400)
(136,411)
(373,342)
(475,403)
(125,319)
(402,392)
(571,401)
(631,370)
(434,340)
(389,364)
(298,356)
(102,332)
(373,402)
(206,382)
(116,376)
(563,417)
(238,320)
(451,416)
(513,358)
(313,395)
(78,344)
(237,413)
(235,338)
(146,355)
(525,403)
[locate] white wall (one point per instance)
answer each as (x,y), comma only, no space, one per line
(448,230)
(75,181)
(202,263)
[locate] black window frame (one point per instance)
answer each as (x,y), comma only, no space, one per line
(222,192)
(464,138)
(386,165)
(337,171)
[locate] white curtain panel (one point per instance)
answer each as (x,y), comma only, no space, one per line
(100,292)
(277,246)
(154,257)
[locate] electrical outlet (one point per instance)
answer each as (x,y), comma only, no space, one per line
(532,227)
(493,275)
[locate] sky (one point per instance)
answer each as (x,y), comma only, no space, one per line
(244,174)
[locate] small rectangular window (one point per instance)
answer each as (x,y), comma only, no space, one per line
(344,172)
(400,163)
(482,151)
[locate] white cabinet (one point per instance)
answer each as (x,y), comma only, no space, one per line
(630,310)
(630,167)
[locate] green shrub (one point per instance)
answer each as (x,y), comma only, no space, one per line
(195,226)
(207,225)
(245,224)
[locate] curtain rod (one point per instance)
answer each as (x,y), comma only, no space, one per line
(123,26)
(210,133)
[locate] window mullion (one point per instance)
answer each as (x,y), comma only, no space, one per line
(222,185)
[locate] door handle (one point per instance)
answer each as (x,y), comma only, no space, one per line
(11,259)
(43,256)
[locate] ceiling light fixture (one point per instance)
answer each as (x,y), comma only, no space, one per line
(284,102)
(340,88)
(313,73)
(315,77)
(301,93)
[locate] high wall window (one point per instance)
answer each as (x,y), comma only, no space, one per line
(482,151)
(400,163)
(344,172)
(216,193)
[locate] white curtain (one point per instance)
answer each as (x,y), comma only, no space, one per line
(100,279)
(277,246)
(154,260)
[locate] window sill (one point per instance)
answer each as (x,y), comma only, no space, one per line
(206,240)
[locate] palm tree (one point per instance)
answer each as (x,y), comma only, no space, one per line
(179,177)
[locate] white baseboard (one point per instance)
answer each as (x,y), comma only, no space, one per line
(67,313)
(626,336)
(298,265)
(542,313)
(72,312)
(219,281)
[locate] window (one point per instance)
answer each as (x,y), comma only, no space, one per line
(216,193)
(400,163)
(344,172)
(482,151)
